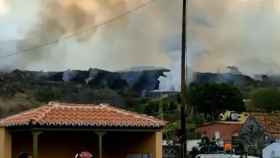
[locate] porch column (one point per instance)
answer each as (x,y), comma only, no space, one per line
(5,143)
(100,143)
(158,144)
(35,136)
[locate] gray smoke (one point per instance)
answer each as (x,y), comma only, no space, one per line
(127,42)
(60,19)
(241,33)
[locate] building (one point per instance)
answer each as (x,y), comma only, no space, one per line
(252,134)
(60,130)
(222,130)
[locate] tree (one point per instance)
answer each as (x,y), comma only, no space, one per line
(215,98)
(265,99)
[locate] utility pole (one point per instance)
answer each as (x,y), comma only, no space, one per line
(183,107)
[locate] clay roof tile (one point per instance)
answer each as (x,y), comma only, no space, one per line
(82,115)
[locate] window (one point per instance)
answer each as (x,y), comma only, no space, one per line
(217,135)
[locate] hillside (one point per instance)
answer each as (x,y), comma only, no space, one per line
(20,90)
(244,82)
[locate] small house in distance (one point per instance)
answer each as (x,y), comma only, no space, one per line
(222,130)
(60,130)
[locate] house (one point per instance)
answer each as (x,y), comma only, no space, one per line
(253,134)
(222,130)
(60,130)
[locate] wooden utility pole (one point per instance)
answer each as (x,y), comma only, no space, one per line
(184,82)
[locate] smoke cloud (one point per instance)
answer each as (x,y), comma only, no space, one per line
(241,33)
(222,33)
(62,18)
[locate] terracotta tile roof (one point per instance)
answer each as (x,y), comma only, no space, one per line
(270,122)
(80,115)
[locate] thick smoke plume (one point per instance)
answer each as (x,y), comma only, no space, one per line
(221,33)
(126,42)
(62,18)
(242,33)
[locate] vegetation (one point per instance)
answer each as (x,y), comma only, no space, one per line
(215,98)
(46,94)
(265,99)
(19,92)
(166,107)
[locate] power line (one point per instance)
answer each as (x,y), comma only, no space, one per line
(70,35)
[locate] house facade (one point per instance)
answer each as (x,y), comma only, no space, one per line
(60,130)
(222,130)
(252,134)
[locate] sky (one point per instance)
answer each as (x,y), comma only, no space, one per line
(3,7)
(221,33)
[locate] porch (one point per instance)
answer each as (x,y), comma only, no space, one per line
(65,143)
(61,130)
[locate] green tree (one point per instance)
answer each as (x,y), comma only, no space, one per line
(215,98)
(265,99)
(46,94)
